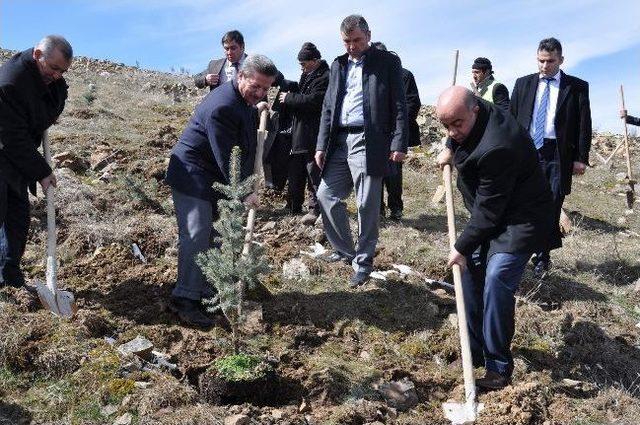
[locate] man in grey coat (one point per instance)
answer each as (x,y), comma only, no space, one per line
(363,129)
(224,69)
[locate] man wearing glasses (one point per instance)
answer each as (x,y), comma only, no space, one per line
(32,96)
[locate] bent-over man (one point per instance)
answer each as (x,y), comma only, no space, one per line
(510,204)
(227,117)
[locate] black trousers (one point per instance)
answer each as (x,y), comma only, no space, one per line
(393,183)
(279,158)
(14,217)
(549,159)
(303,173)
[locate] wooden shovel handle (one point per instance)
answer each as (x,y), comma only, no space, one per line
(257,171)
(465,347)
(52,267)
(626,136)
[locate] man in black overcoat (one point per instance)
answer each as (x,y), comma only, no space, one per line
(510,205)
(32,97)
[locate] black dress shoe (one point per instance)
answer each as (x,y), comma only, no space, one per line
(336,256)
(190,312)
(395,215)
(493,381)
(358,279)
(541,269)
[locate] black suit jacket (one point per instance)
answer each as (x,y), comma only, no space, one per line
(201,156)
(502,186)
(572,120)
(413,106)
(27,108)
(305,107)
(385,108)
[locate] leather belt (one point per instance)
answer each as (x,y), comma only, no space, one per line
(354,129)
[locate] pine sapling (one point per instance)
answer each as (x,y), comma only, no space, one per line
(226,268)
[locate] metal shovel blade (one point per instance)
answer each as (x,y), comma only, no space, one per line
(462,413)
(60,303)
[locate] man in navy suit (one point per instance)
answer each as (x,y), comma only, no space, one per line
(363,130)
(227,117)
(554,108)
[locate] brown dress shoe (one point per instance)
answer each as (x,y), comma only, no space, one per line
(493,381)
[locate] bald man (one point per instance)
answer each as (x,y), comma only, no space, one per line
(504,190)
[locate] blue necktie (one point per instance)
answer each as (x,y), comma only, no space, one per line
(541,116)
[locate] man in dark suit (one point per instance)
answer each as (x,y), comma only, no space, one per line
(485,85)
(554,108)
(393,182)
(510,206)
(305,106)
(32,96)
(363,129)
(629,119)
(224,69)
(224,119)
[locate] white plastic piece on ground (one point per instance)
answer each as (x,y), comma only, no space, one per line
(137,252)
(317,250)
(462,413)
(378,276)
(404,269)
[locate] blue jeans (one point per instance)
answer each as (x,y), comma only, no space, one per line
(489,286)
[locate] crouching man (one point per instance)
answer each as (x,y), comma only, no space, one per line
(511,217)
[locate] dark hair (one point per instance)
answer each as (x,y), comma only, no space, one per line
(550,45)
(233,35)
(352,22)
(379,45)
(483,64)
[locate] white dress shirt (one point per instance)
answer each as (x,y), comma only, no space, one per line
(554,89)
(352,114)
(229,72)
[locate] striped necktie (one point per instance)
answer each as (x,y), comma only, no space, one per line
(541,115)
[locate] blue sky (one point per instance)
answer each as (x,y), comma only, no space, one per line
(601,39)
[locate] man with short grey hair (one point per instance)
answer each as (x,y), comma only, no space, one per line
(224,119)
(363,128)
(32,96)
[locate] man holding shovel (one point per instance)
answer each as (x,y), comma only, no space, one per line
(511,215)
(32,96)
(226,118)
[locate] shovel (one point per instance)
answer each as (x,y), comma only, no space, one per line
(257,169)
(467,412)
(440,190)
(60,303)
(630,190)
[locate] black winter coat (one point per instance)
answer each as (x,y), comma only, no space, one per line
(502,186)
(413,106)
(27,108)
(306,108)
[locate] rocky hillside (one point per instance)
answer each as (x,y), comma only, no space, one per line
(337,354)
